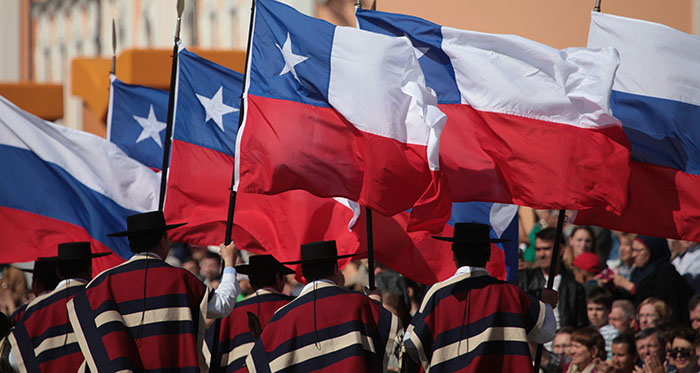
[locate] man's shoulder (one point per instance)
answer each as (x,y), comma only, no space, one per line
(123,272)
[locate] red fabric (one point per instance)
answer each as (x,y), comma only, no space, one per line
(504,158)
(664,202)
(287,145)
(19,231)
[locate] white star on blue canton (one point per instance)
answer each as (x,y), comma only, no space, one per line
(290,59)
(215,108)
(151,127)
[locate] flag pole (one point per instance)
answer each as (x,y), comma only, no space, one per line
(368,220)
(596,8)
(171,109)
(215,366)
(114,49)
(552,273)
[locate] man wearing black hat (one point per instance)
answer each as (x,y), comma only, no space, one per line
(474,321)
(327,326)
(266,276)
(145,314)
(44,280)
(43,340)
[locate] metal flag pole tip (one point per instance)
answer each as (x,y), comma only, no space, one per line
(114,47)
(596,8)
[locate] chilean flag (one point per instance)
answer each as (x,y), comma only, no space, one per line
(64,185)
(656,95)
(528,124)
(338,112)
(136,121)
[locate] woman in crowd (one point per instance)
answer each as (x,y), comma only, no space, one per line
(626,260)
(581,240)
(587,351)
(681,355)
(653,312)
(654,276)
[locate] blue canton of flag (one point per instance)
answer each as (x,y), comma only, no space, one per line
(208,103)
(136,121)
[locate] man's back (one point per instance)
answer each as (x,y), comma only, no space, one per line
(235,338)
(473,322)
(329,327)
(43,340)
(142,314)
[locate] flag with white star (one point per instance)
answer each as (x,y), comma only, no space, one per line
(136,121)
(339,112)
(204,138)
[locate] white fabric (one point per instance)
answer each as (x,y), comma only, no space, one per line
(310,285)
(509,74)
(689,261)
(366,70)
(643,47)
(95,162)
(500,217)
(556,285)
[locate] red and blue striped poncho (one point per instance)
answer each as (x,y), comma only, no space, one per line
(235,338)
(143,315)
(474,323)
(349,333)
(43,340)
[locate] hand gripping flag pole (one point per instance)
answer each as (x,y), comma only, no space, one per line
(171,109)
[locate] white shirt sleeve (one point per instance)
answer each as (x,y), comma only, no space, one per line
(224,298)
(549,327)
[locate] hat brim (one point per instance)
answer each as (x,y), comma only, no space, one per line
(126,233)
(63,259)
(319,260)
(246,269)
(490,240)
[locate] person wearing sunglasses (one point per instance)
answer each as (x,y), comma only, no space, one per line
(682,354)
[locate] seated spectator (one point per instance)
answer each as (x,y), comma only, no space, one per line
(687,262)
(571,308)
(651,349)
(653,312)
(210,267)
(586,267)
(654,276)
(581,240)
(192,265)
(587,351)
(624,354)
(694,312)
(622,316)
(682,355)
(13,288)
(561,344)
(625,267)
(598,305)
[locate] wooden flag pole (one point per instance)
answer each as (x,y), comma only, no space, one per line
(552,273)
(171,109)
(215,366)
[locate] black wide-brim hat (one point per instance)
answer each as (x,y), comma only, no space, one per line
(319,252)
(145,224)
(471,233)
(72,251)
(263,264)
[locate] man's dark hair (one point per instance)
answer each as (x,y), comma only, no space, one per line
(145,243)
(548,234)
(684,333)
(260,280)
(566,329)
(627,340)
(211,255)
(471,255)
(317,271)
(73,268)
(693,302)
(644,333)
(601,296)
